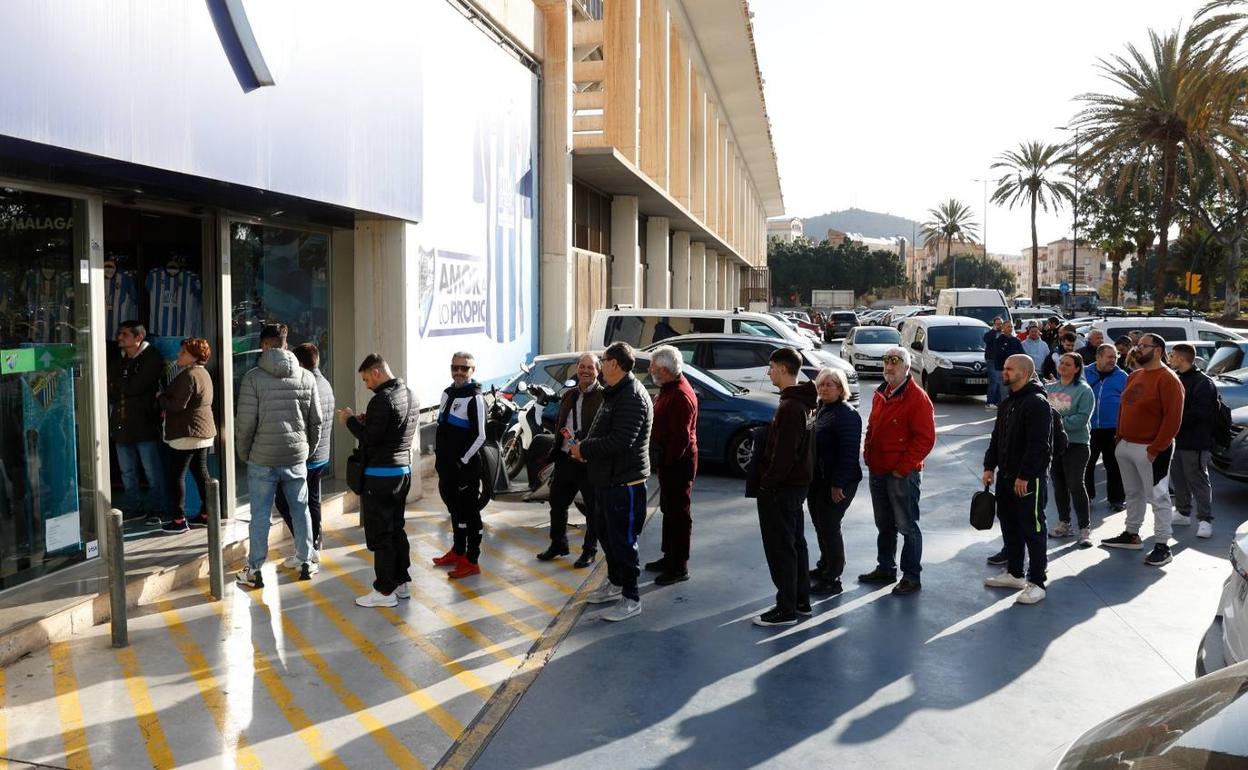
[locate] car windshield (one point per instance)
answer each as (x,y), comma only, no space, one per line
(1227,358)
(955,339)
(985,313)
(884,335)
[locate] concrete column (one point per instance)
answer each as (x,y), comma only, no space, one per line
(712,280)
(733,273)
(723,283)
(387,302)
(680,269)
(697,276)
(626,257)
(658,244)
(556,276)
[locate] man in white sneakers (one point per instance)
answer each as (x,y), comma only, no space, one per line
(1148,420)
(1194,442)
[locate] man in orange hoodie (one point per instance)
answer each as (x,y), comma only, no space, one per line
(1148,420)
(900,434)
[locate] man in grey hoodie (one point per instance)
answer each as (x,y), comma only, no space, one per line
(318,461)
(276,429)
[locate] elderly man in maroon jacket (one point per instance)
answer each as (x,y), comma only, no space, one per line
(674,453)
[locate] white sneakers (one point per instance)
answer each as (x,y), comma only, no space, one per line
(1179,520)
(1063,529)
(403,592)
(1085,538)
(1006,580)
(1031,594)
(293,563)
(1204,529)
(377,599)
(624,609)
(606,594)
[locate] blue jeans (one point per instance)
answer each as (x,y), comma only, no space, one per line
(994,384)
(262,484)
(895,502)
(146,453)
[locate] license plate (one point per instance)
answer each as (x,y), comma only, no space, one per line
(977,381)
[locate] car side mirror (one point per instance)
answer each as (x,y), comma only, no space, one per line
(916,346)
(522,387)
(569,383)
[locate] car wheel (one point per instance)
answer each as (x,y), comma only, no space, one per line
(931,389)
(513,455)
(740,451)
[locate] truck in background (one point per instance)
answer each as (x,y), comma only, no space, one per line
(832,299)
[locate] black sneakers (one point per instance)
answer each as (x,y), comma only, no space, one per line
(553,552)
(805,610)
(773,617)
(906,587)
(174,527)
(998,559)
(821,587)
(658,565)
(877,575)
(587,558)
(671,578)
(1159,556)
(1129,540)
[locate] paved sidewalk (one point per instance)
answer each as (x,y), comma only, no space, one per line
(296,675)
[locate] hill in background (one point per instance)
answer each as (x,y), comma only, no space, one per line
(869,223)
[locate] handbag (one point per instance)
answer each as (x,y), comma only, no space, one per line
(355,471)
(983,509)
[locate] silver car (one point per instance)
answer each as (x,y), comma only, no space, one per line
(1226,641)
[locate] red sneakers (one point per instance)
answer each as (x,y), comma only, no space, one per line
(464,569)
(448,559)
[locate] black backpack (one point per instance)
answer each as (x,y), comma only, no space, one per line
(1061,442)
(1221,421)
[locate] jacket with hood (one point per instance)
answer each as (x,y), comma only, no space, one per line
(1021,446)
(325,398)
(1074,404)
(388,427)
(132,386)
(789,458)
(278,420)
(838,438)
(1107,395)
(461,427)
(618,446)
(901,430)
(1200,399)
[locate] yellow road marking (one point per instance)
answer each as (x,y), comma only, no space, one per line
(489,647)
(154,739)
(377,730)
(427,704)
(502,556)
(209,690)
(77,755)
(497,611)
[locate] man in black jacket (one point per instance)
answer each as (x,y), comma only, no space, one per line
(133,379)
(1001,347)
(617,450)
(1189,471)
(784,478)
(460,433)
(1020,449)
(577,409)
(385,432)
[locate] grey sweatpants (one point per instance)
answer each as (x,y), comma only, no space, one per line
(1146,482)
(1190,474)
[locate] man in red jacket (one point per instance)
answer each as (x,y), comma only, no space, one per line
(674,454)
(900,434)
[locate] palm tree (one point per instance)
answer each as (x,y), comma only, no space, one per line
(951,221)
(1181,102)
(1032,178)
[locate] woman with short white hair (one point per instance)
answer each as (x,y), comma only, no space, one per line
(838,436)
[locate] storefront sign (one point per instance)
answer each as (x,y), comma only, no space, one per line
(454,301)
(15,361)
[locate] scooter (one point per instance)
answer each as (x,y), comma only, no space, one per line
(527,439)
(500,416)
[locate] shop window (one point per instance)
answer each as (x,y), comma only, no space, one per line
(47,478)
(277,275)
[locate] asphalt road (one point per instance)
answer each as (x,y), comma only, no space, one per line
(955,676)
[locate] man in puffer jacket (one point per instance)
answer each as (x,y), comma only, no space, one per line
(310,358)
(276,428)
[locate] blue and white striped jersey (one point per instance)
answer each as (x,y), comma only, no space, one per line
(49,304)
(174,299)
(121,300)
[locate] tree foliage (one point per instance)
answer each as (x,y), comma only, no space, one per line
(799,267)
(975,271)
(1033,178)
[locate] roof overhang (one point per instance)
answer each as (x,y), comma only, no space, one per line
(610,172)
(725,35)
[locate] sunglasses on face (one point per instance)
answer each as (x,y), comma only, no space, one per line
(892,359)
(460,368)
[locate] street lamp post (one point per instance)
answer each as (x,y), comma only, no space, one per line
(1074,253)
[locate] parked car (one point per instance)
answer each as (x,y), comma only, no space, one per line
(984,304)
(1227,356)
(1226,641)
(872,317)
(896,318)
(1233,387)
(814,337)
(1170,329)
(1232,461)
(1199,724)
(1022,316)
(1111,311)
(726,412)
(744,360)
(864,347)
(640,327)
(1182,312)
(947,354)
(839,324)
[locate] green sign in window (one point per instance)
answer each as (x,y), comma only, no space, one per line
(17,360)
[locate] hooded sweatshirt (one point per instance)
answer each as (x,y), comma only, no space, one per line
(1074,404)
(1021,446)
(461,427)
(789,459)
(278,420)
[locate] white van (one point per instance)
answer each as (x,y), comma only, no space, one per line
(947,354)
(1169,329)
(642,327)
(984,304)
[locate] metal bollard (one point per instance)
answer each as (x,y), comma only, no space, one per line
(216,559)
(117,578)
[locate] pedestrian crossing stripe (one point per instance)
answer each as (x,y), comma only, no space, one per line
(73,730)
(155,742)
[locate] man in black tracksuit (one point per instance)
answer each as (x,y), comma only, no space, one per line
(618,452)
(1020,449)
(385,432)
(460,433)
